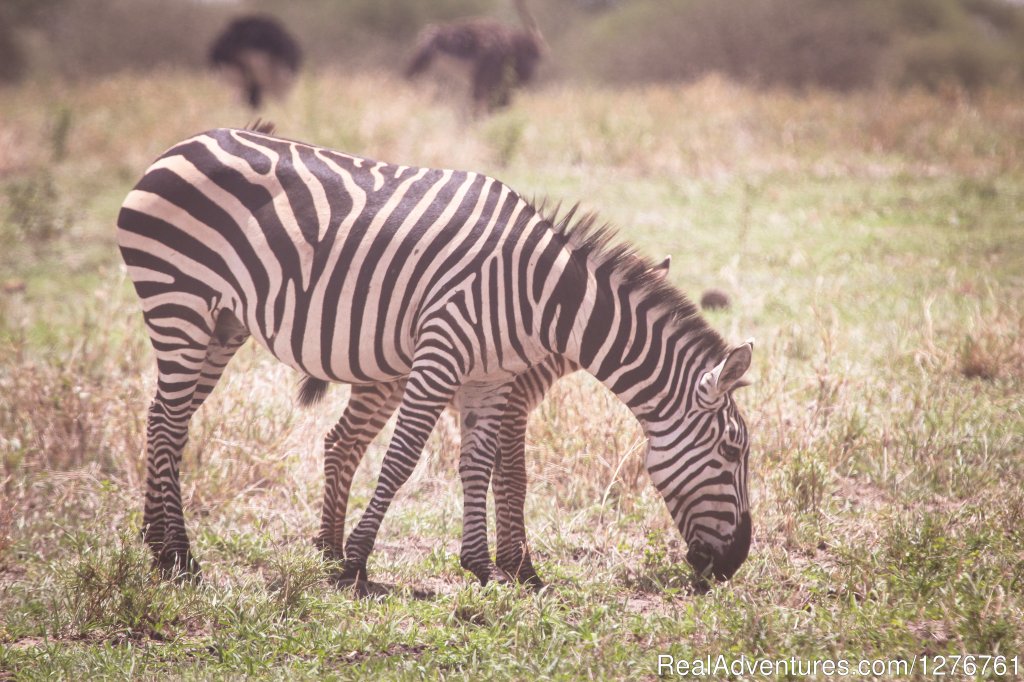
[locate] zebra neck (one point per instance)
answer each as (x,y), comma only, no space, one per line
(642,351)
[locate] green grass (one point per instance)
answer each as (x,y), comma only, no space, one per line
(872,244)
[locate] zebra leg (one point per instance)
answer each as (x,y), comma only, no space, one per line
(190,360)
(513,554)
(228,336)
(368,410)
(481,408)
(528,389)
(431,384)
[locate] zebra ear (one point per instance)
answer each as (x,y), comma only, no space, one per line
(661,269)
(742,383)
(728,374)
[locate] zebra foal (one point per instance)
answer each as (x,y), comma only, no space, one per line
(446,281)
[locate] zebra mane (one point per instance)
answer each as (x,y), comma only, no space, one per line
(261,126)
(600,243)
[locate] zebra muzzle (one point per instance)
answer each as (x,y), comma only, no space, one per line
(724,563)
(699,557)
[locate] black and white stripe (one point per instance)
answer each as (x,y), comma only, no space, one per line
(447,281)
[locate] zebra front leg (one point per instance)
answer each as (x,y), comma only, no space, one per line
(528,389)
(481,408)
(509,481)
(431,384)
(368,410)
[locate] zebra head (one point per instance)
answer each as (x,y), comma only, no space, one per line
(698,462)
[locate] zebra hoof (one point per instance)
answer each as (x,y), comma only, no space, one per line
(364,589)
(491,574)
(352,572)
(531,580)
(524,574)
(354,576)
(329,551)
(180,567)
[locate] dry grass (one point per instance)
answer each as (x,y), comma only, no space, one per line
(993,347)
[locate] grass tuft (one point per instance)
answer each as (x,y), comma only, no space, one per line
(35,213)
(995,350)
(290,578)
(108,590)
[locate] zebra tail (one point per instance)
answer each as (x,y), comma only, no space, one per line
(311,391)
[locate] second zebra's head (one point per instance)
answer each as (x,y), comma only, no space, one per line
(698,462)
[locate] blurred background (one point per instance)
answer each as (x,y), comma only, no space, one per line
(836,44)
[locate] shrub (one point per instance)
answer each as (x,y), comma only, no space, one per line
(801,43)
(108,589)
(12,60)
(95,37)
(791,42)
(797,43)
(15,17)
(938,60)
(35,214)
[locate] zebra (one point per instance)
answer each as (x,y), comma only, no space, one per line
(368,410)
(352,270)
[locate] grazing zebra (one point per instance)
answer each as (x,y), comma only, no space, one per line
(368,410)
(367,273)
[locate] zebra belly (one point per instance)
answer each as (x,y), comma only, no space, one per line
(351,350)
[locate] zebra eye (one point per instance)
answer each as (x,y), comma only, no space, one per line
(730,452)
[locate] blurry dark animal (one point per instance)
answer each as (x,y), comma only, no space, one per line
(503,56)
(259,54)
(714,299)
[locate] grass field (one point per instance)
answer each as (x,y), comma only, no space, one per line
(873,245)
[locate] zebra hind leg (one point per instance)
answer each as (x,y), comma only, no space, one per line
(189,365)
(430,386)
(368,410)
